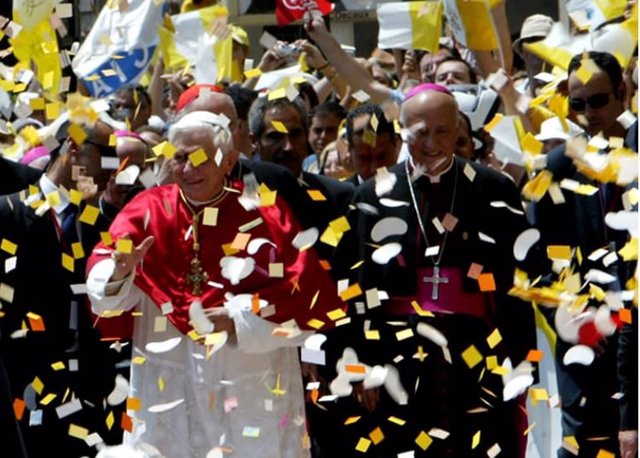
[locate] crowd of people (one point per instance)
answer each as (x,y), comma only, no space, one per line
(359,258)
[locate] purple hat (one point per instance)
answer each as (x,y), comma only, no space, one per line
(33,154)
(426,87)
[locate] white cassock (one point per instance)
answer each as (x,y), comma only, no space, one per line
(226,400)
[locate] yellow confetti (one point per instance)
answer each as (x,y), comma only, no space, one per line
(340,224)
(134,403)
(491,362)
(530,144)
(161,384)
(138,360)
(494,338)
(47,399)
(78,431)
(75,197)
(53,198)
(109,421)
(106,238)
(396,420)
(58,366)
(351,420)
(330,237)
(78,251)
(277,94)
(52,111)
(280,127)
(472,356)
(584,74)
(89,215)
(8,246)
(267,199)
(423,440)
(124,246)
(316,195)
(77,133)
(493,123)
(419,310)
(363,445)
(475,441)
(404,334)
(376,436)
(37,385)
(605,454)
(562,252)
(253,73)
(68,262)
(315,324)
(336,314)
(535,189)
(351,292)
(198,157)
(165,149)
(372,334)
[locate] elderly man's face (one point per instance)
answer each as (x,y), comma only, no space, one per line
(431,119)
(204,181)
(285,148)
(600,103)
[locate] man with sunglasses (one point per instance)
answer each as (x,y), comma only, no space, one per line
(589,409)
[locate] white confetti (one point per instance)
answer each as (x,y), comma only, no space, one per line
(386,252)
(388,227)
(485,238)
(524,242)
(502,204)
(119,392)
(235,269)
(392,203)
(255,245)
(128,176)
(164,346)
(579,354)
(431,333)
(306,239)
(159,408)
(199,320)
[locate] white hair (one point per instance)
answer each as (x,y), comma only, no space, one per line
(216,125)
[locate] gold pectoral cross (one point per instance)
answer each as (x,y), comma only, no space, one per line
(197,276)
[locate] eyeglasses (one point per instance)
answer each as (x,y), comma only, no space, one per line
(595,101)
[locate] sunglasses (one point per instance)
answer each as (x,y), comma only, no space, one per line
(595,101)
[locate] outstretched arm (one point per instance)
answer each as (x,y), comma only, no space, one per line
(355,76)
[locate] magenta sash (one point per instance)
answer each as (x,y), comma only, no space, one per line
(451,296)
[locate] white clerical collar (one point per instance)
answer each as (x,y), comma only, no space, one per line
(47,187)
(433,178)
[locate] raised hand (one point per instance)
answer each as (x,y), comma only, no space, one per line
(125,262)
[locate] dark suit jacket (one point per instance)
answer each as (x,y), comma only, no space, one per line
(15,177)
(579,222)
(310,213)
(472,207)
(42,286)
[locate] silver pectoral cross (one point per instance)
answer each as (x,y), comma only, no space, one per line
(435,280)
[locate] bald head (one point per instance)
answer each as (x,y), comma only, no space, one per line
(132,148)
(431,121)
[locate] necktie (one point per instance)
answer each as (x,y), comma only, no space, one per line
(68,225)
